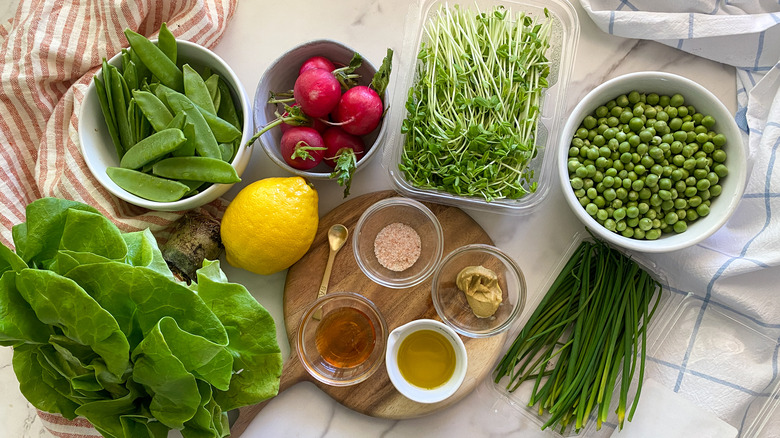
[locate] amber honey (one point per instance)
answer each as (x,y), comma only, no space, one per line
(345,337)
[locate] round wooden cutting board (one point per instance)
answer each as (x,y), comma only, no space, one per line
(375,396)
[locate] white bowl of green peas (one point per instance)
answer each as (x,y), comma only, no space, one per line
(180,141)
(652,162)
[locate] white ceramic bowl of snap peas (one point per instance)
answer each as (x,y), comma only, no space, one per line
(99,151)
(732,185)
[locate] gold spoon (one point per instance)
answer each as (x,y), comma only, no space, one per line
(337,236)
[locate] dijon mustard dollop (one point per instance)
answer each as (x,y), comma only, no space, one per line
(482,290)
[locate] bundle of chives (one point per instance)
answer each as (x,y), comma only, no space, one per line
(592,321)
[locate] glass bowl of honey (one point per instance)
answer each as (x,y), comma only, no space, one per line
(345,342)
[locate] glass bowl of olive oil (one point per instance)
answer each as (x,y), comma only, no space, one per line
(347,343)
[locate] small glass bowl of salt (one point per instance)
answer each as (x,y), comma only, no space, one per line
(398,242)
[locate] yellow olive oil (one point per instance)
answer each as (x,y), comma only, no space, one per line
(426,359)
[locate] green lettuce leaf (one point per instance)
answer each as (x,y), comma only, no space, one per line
(139,297)
(61,302)
(39,238)
(18,322)
(9,260)
(174,391)
(142,250)
(86,231)
(204,359)
(34,383)
(101,328)
(258,359)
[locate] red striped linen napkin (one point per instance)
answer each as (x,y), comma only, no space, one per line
(50,51)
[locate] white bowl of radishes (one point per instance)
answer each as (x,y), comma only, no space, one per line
(319,110)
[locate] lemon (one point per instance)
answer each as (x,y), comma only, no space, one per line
(270,224)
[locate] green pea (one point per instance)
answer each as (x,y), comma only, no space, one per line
(602,215)
(719,140)
(708,121)
(716,190)
(703,210)
(719,156)
(576,183)
(703,184)
(636,124)
(602,111)
(591,209)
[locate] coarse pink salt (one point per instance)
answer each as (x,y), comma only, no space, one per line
(397,246)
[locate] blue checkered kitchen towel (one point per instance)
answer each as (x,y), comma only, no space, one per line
(734,276)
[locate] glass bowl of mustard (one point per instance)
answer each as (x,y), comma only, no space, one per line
(345,343)
(478,290)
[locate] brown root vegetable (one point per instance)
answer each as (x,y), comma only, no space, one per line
(194,237)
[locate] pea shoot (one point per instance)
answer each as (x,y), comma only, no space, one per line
(472,112)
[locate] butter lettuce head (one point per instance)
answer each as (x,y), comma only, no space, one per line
(101,329)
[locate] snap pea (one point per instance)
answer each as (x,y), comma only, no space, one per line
(167,43)
(222,130)
(155,60)
(205,169)
(227,151)
(153,108)
(227,109)
(129,71)
(100,88)
(147,186)
(195,89)
(152,147)
(152,120)
(120,108)
(212,84)
(205,143)
(141,71)
(188,148)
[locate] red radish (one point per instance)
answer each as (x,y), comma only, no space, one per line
(317,91)
(302,147)
(315,123)
(359,110)
(317,62)
(338,141)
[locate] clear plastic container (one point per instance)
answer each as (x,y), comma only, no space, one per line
(721,344)
(563,44)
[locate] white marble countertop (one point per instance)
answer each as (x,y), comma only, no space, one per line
(262,30)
